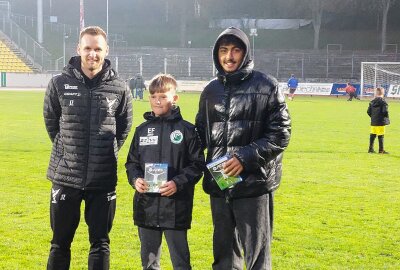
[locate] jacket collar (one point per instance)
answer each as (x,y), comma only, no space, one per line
(237,76)
(175,115)
(74,69)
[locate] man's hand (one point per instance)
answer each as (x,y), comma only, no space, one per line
(233,167)
(168,189)
(141,185)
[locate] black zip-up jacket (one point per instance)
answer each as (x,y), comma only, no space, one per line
(174,141)
(243,113)
(87,126)
(378,111)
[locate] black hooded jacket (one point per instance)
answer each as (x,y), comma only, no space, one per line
(174,141)
(378,111)
(87,125)
(243,113)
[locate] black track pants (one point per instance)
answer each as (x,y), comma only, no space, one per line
(65,214)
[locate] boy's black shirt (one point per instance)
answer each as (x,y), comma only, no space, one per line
(174,141)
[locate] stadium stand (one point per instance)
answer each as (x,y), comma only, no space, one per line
(11,61)
(308,65)
(184,63)
(190,63)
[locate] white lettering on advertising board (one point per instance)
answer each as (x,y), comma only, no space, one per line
(319,89)
(394,90)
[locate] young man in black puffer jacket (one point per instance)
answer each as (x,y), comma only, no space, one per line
(242,113)
(88,115)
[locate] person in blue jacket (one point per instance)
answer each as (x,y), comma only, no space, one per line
(292,85)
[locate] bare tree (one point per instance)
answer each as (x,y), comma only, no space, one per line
(183,26)
(381,8)
(317,9)
(184,9)
(384,6)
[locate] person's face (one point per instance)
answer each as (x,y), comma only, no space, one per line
(93,50)
(161,103)
(230,57)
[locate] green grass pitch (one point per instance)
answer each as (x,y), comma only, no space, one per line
(338,207)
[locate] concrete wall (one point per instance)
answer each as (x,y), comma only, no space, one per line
(25,80)
(40,81)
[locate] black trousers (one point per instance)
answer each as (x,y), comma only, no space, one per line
(352,95)
(150,248)
(242,224)
(65,204)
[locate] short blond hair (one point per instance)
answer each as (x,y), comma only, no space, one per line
(379,92)
(93,31)
(162,83)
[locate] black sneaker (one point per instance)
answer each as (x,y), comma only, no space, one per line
(371,151)
(383,152)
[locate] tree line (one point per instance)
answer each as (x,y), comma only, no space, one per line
(183,14)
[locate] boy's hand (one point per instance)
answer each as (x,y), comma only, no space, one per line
(141,185)
(168,189)
(233,167)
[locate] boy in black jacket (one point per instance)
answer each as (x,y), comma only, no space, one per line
(378,111)
(165,138)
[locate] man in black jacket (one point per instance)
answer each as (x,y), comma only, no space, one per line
(242,113)
(88,115)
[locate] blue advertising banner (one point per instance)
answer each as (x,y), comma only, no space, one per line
(339,89)
(368,90)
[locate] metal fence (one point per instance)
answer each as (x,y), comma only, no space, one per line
(28,46)
(181,66)
(187,63)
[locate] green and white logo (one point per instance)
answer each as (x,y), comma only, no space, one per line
(176,137)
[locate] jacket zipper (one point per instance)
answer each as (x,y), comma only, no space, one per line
(208,129)
(88,138)
(227,106)
(159,160)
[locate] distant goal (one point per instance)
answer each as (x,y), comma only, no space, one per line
(380,74)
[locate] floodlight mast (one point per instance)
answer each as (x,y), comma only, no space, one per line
(65,36)
(81,15)
(40,21)
(253,33)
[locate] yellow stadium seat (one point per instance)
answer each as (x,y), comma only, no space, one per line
(10,62)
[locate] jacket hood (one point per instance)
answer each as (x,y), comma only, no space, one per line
(175,115)
(377,102)
(247,64)
(74,69)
